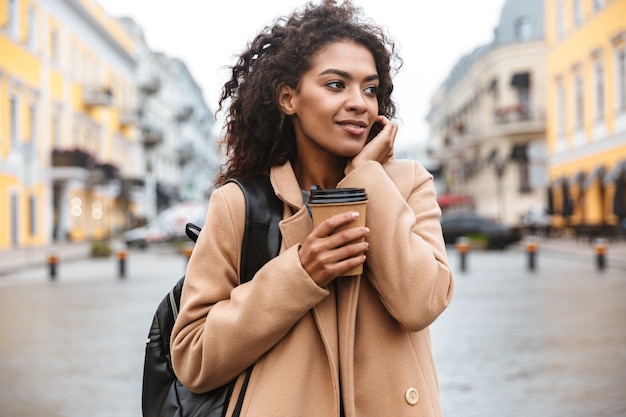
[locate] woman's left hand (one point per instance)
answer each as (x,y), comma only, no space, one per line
(379,149)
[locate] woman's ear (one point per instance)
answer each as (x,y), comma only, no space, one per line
(285,99)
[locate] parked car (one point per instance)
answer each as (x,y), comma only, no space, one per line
(168,226)
(480,230)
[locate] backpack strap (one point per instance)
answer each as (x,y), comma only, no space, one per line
(261,237)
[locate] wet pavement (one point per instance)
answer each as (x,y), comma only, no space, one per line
(75,347)
(544,343)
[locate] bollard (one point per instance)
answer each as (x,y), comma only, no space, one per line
(463,247)
(53,260)
(600,249)
(531,250)
(121,258)
(187,252)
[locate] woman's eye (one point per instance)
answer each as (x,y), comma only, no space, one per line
(336,84)
(372,89)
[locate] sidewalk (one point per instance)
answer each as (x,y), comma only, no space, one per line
(13,260)
(581,250)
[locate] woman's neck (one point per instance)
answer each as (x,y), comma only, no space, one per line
(323,173)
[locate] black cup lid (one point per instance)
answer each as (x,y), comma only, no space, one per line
(337,195)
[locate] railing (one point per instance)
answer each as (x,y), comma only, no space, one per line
(71,158)
(151,136)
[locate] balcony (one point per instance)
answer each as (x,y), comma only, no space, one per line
(150,86)
(184,114)
(129,117)
(74,158)
(97,96)
(513,113)
(518,119)
(151,136)
(108,172)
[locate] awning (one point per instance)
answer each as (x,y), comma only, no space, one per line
(619,198)
(550,198)
(566,204)
(452,200)
(617,171)
(521,80)
(597,174)
(578,178)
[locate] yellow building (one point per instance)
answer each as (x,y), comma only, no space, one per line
(67,132)
(586,127)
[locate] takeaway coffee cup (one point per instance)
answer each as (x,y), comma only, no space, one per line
(328,202)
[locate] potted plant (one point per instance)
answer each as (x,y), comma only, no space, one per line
(100,249)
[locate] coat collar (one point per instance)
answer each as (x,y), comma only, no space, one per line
(286,186)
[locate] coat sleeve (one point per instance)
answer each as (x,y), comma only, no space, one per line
(223,327)
(407,262)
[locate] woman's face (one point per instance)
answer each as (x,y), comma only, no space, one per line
(335,105)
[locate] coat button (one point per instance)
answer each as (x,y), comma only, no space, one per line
(411,396)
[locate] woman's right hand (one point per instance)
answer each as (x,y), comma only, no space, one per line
(380,148)
(327,253)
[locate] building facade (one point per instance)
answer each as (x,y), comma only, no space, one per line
(67,75)
(586,129)
(487,121)
(179,149)
(89,143)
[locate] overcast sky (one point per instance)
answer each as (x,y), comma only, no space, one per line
(432,35)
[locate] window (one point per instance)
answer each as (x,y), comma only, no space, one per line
(519,154)
(523,98)
(14,19)
(621,78)
(523,169)
(32,215)
(56,131)
(597,5)
(32,29)
(560,106)
(75,69)
(579,101)
(523,29)
(32,115)
(560,24)
(598,71)
(578,13)
(54,46)
(13,120)
(14,214)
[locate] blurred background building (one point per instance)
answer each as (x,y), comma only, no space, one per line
(531,128)
(488,120)
(586,130)
(98,133)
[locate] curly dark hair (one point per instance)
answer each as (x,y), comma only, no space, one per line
(257,134)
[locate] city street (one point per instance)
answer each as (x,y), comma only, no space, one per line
(514,342)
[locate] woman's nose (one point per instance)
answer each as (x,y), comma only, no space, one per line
(356,101)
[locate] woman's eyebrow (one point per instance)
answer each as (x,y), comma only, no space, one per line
(345,74)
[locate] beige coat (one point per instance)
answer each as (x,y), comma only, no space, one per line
(363,341)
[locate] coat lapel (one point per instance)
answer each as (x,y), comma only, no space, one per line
(295,227)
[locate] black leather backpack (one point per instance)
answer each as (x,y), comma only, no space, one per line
(163,395)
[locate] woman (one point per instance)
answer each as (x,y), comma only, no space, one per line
(302,101)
